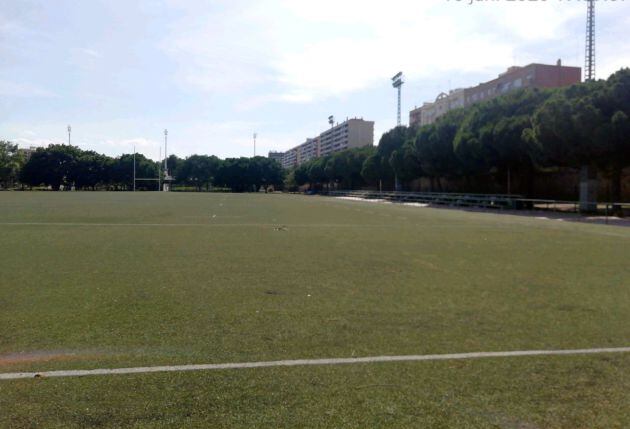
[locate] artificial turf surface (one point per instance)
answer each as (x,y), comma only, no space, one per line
(99,280)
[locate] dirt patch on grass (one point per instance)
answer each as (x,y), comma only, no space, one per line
(46,356)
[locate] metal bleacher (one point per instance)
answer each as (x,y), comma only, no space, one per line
(487,201)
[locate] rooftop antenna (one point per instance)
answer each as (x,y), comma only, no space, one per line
(589,68)
(397,82)
(331,121)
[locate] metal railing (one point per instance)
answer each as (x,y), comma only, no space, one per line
(492,201)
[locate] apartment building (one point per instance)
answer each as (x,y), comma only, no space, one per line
(28,152)
(278,156)
(530,76)
(429,112)
(290,158)
(352,133)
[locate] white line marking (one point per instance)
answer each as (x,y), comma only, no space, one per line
(308,362)
(211,225)
(265,225)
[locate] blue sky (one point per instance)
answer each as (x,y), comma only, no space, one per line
(215,72)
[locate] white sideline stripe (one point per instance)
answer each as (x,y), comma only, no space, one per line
(308,362)
(174,225)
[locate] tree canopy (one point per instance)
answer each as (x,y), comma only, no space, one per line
(11,161)
(68,166)
(517,135)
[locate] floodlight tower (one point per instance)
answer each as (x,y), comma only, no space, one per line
(589,68)
(69,134)
(167,179)
(588,177)
(255,135)
(397,82)
(165,153)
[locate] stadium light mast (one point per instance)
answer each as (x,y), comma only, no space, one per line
(69,134)
(588,177)
(165,152)
(397,82)
(255,135)
(589,67)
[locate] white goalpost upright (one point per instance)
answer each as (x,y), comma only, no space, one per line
(164,179)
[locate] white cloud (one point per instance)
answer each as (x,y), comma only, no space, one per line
(25,90)
(90,52)
(26,143)
(308,51)
(222,51)
(278,67)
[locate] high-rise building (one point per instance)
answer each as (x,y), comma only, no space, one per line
(276,156)
(352,133)
(530,76)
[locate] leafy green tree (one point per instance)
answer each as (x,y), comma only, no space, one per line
(565,131)
(52,166)
(336,167)
(433,148)
(342,168)
(613,100)
(11,161)
(271,173)
(355,159)
(613,151)
(89,170)
(317,172)
(300,175)
(198,170)
(405,162)
(174,163)
(290,183)
(120,172)
(490,138)
(236,174)
(372,170)
(391,141)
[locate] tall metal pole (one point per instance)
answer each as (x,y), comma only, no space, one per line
(255,135)
(69,134)
(160,173)
(399,89)
(165,152)
(588,181)
(397,82)
(589,68)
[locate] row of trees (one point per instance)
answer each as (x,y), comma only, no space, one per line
(513,137)
(342,169)
(510,138)
(67,166)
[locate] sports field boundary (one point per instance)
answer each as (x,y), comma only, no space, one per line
(309,362)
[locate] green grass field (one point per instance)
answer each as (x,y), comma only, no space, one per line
(110,280)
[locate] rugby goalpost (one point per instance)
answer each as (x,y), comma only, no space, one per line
(146,179)
(164,184)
